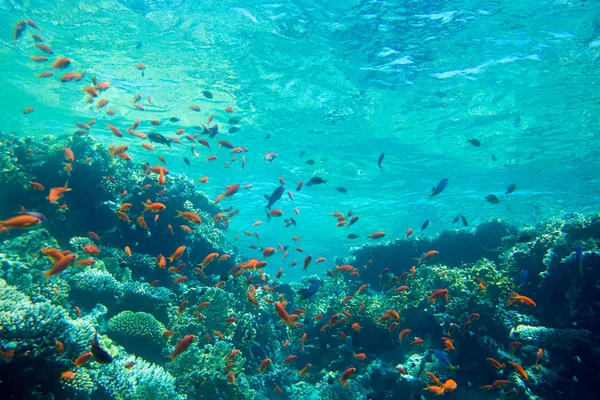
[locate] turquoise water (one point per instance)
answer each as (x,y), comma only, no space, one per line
(342,82)
(485,94)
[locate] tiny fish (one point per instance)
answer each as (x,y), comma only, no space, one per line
(270,156)
(379,160)
(310,162)
(439,188)
(474,142)
(494,158)
(353,236)
(511,188)
(207,94)
(315,180)
(425,225)
(174,119)
(464,220)
(490,198)
(456,219)
(186,160)
(579,258)
(341,189)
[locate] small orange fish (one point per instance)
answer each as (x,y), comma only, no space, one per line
(518,299)
(68,375)
(60,347)
(82,359)
(57,193)
(181,347)
(36,186)
(520,370)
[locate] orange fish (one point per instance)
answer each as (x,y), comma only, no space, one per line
(60,265)
(82,359)
(377,235)
(520,370)
(181,347)
(58,192)
(404,333)
(438,293)
(268,252)
(20,222)
(86,262)
(90,249)
(208,259)
(60,347)
(495,363)
(177,253)
(266,362)
(347,375)
(427,256)
(518,299)
(153,207)
(189,216)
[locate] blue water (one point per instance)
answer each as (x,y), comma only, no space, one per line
(342,82)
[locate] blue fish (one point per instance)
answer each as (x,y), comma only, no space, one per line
(425,225)
(579,258)
(276,195)
(523,276)
(444,359)
(439,188)
(35,214)
(309,291)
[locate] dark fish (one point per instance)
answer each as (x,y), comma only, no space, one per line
(511,188)
(174,119)
(353,236)
(185,160)
(35,214)
(310,162)
(234,129)
(474,142)
(138,45)
(517,121)
(309,291)
(315,180)
(425,225)
(302,153)
(491,198)
(293,220)
(525,237)
(579,258)
(464,220)
(158,138)
(494,158)
(207,94)
(212,131)
(341,189)
(439,188)
(234,120)
(523,277)
(276,195)
(99,353)
(270,156)
(456,219)
(379,160)
(443,357)
(268,136)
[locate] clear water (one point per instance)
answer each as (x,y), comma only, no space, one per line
(343,81)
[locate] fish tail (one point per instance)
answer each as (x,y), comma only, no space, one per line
(179,214)
(146,208)
(171,357)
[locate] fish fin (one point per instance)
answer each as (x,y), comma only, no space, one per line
(170,356)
